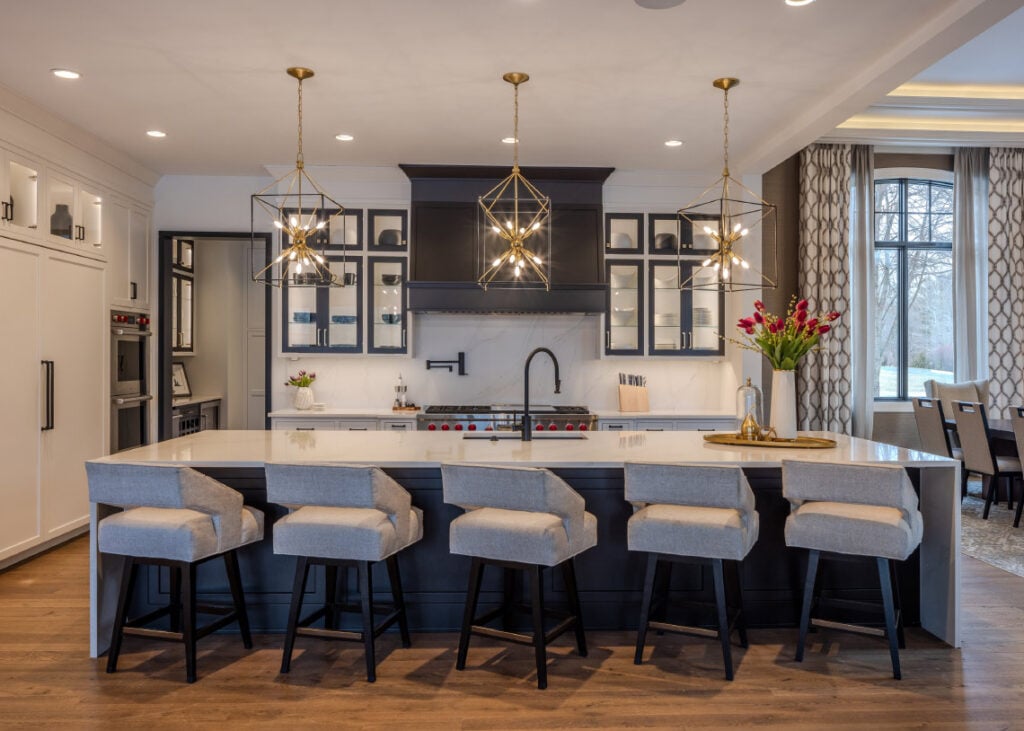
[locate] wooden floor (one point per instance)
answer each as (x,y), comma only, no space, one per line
(47,679)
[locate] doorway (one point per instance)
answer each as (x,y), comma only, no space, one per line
(212,327)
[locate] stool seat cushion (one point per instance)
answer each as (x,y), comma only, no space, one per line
(857,529)
(683,530)
(520,535)
(353,534)
(175,534)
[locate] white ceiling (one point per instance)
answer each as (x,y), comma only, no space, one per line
(418,81)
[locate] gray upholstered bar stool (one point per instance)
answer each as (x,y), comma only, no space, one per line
(691,514)
(179,518)
(520,519)
(976,442)
(867,511)
(341,517)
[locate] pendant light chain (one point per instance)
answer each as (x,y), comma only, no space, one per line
(515,128)
(725,134)
(299,162)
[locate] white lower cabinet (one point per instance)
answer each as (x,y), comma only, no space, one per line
(333,423)
(689,423)
(53,390)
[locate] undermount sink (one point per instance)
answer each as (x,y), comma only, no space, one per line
(496,435)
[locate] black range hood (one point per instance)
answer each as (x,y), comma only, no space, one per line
(443,276)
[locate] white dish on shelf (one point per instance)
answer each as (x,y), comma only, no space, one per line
(667,319)
(666,276)
(621,240)
(622,281)
(623,315)
(319,406)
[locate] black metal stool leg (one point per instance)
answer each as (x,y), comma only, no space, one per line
(510,598)
(539,640)
(238,597)
(128,571)
(741,618)
(298,589)
(723,616)
(175,599)
(476,571)
(188,592)
(645,608)
(890,615)
(662,584)
(805,611)
(366,601)
(569,570)
(331,596)
(395,578)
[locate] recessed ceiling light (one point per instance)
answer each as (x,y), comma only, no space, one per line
(156,133)
(509,140)
(659,4)
(344,138)
(798,3)
(673,143)
(65,74)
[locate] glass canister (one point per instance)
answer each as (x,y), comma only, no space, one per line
(749,411)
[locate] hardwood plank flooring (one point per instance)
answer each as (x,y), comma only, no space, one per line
(47,679)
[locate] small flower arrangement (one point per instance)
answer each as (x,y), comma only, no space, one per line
(302,380)
(784,341)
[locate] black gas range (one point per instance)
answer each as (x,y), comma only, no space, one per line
(505,417)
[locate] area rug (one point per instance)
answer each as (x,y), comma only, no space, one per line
(994,541)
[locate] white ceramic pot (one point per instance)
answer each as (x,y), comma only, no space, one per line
(784,404)
(304,398)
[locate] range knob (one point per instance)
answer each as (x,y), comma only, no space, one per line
(445,427)
(583,427)
(458,427)
(553,427)
(569,427)
(539,427)
(431,427)
(471,427)
(490,428)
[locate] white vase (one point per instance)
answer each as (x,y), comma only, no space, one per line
(784,404)
(303,398)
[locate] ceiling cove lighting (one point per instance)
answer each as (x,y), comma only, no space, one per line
(510,215)
(156,133)
(65,74)
(798,3)
(725,213)
(300,210)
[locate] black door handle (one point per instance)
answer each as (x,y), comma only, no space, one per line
(135,290)
(49,423)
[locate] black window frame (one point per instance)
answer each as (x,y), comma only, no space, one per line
(902,246)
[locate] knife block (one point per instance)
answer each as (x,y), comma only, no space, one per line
(633,398)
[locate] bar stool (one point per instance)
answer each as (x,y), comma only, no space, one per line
(852,510)
(342,517)
(690,514)
(179,518)
(521,519)
(976,442)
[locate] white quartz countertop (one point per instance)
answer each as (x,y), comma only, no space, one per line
(664,414)
(223,448)
(332,412)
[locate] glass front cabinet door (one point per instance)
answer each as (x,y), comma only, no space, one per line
(684,321)
(182,313)
(624,310)
(318,318)
(20,197)
(388,314)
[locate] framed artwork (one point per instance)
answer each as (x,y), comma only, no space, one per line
(179,381)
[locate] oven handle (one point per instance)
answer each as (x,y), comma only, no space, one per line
(49,366)
(122,331)
(122,400)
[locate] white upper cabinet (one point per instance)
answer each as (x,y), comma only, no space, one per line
(19,193)
(138,284)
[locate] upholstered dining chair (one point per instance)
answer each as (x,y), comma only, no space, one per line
(1017,420)
(947,393)
(976,442)
(934,435)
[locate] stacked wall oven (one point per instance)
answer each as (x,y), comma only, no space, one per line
(129,393)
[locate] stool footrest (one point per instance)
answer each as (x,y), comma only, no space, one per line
(135,630)
(304,630)
(845,627)
(682,629)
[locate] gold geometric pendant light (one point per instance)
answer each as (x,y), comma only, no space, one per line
(513,233)
(725,213)
(303,213)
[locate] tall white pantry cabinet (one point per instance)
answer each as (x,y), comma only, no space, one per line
(74,241)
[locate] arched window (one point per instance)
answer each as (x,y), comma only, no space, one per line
(913,285)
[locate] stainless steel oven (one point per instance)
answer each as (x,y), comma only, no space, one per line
(129,366)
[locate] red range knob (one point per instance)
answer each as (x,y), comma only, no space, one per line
(458,427)
(445,427)
(539,427)
(569,427)
(553,427)
(490,428)
(431,427)
(583,427)
(472,427)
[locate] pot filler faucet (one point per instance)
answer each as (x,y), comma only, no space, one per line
(527,426)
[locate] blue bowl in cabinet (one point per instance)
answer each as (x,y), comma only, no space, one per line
(304,317)
(343,319)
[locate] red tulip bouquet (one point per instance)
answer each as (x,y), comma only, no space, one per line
(784,341)
(302,380)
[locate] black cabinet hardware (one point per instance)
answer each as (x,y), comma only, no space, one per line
(49,385)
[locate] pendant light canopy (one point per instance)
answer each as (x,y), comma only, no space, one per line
(514,240)
(299,208)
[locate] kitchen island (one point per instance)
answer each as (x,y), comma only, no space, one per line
(609,576)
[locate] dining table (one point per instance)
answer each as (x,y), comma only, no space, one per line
(1000,430)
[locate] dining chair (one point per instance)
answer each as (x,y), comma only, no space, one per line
(934,436)
(976,442)
(1017,421)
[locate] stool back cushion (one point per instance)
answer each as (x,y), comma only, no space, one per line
(702,486)
(339,486)
(130,485)
(513,488)
(972,430)
(931,426)
(881,485)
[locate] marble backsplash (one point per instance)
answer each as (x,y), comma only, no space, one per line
(496,347)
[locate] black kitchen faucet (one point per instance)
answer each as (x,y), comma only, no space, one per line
(527,427)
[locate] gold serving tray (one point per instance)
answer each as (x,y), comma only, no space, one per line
(735,440)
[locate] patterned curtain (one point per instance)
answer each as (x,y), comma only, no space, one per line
(824,379)
(1006,279)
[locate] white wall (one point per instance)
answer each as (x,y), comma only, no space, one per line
(496,346)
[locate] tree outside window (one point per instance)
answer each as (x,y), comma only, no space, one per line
(913,286)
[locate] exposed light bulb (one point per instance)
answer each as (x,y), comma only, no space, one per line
(279,259)
(320,225)
(496,229)
(707,230)
(737,227)
(496,262)
(293,221)
(508,224)
(744,232)
(536,226)
(536,260)
(319,259)
(522,230)
(278,224)
(725,272)
(735,260)
(291,257)
(298,268)
(715,267)
(705,262)
(744,264)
